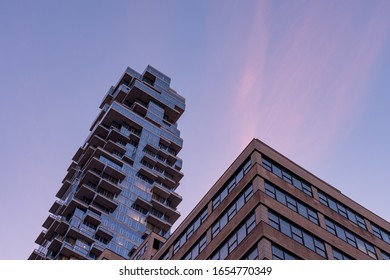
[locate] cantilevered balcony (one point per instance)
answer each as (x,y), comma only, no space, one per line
(57,206)
(72,169)
(37,255)
(104,232)
(96,141)
(143,203)
(106,201)
(158,221)
(114,147)
(141,91)
(109,185)
(86,191)
(81,232)
(72,251)
(168,194)
(56,243)
(73,204)
(93,217)
(41,237)
(163,207)
(64,188)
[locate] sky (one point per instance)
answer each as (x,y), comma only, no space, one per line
(309,78)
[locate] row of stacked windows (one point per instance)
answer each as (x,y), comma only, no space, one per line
(297,233)
(231,211)
(325,199)
(292,203)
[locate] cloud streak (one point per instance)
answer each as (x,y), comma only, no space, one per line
(304,89)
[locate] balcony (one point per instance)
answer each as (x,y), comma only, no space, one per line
(157,221)
(57,206)
(113,147)
(100,131)
(149,173)
(72,252)
(167,194)
(94,164)
(116,134)
(143,203)
(161,206)
(55,244)
(82,232)
(97,248)
(144,93)
(78,154)
(41,237)
(72,169)
(93,217)
(105,201)
(37,255)
(109,185)
(73,204)
(96,141)
(85,157)
(104,232)
(64,188)
(86,191)
(90,177)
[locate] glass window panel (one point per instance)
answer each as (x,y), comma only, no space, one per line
(223,194)
(340,233)
(239,176)
(277,253)
(223,220)
(351,216)
(332,204)
(306,188)
(231,185)
(285,228)
(251,223)
(223,252)
(241,234)
(276,170)
(302,210)
(267,165)
(287,178)
(297,183)
(280,197)
(248,193)
(215,230)
(240,202)
(308,241)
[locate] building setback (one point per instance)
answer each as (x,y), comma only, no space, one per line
(120,186)
(267,207)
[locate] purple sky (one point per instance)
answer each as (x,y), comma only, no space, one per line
(309,78)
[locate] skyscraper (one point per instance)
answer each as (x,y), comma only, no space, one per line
(120,186)
(267,207)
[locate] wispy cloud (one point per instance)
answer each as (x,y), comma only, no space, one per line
(304,89)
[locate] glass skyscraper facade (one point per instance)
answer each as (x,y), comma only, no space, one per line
(120,186)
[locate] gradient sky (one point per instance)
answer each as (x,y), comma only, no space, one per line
(309,78)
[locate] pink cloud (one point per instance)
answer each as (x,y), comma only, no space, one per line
(305,89)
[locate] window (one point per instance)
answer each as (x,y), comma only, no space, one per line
(252,254)
(342,210)
(381,233)
(190,230)
(279,253)
(196,249)
(297,233)
(338,255)
(350,238)
(286,175)
(232,210)
(235,238)
(230,185)
(291,202)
